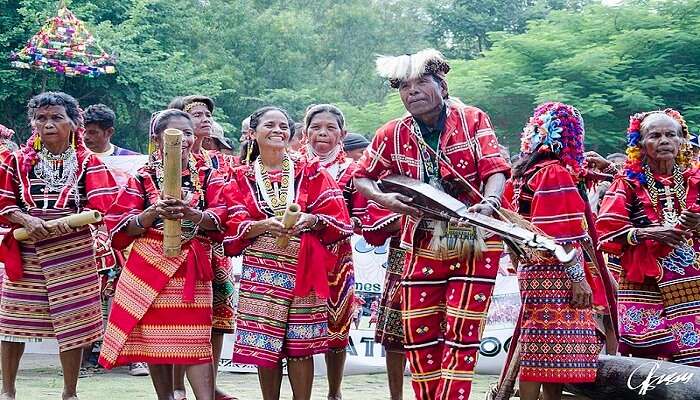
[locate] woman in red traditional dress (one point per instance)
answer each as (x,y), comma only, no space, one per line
(324,128)
(51,288)
(282,310)
(162,311)
(200,109)
(558,339)
(650,219)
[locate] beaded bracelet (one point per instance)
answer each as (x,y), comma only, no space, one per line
(575,272)
(138,223)
(318,220)
(632,237)
(496,199)
(493,201)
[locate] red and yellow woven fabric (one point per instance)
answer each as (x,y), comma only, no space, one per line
(272,322)
(162,309)
(558,343)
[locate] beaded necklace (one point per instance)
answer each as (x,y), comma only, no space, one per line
(57,170)
(277,197)
(669,213)
(430,164)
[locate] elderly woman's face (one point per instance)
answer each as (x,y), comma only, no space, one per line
(201,117)
(324,132)
(53,126)
(661,138)
(184,125)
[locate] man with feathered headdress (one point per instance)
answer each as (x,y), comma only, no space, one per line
(450,269)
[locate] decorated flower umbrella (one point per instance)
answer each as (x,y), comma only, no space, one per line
(64,46)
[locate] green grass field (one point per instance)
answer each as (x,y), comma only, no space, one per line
(39,379)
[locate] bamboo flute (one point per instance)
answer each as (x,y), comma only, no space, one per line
(172,187)
(290,217)
(74,221)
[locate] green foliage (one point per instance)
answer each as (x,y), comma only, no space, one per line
(243,53)
(609,62)
(461,27)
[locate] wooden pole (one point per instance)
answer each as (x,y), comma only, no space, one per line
(172,187)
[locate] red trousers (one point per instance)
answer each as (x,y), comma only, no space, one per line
(445,301)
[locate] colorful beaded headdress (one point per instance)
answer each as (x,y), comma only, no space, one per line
(556,128)
(635,159)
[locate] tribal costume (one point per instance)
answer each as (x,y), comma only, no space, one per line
(282,309)
(51,287)
(659,286)
(162,306)
(341,278)
(558,343)
(222,285)
(389,331)
(446,292)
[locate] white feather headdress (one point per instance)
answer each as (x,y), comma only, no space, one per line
(411,66)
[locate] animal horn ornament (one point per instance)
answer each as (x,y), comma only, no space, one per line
(441,205)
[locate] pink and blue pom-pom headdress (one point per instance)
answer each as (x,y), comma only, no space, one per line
(556,128)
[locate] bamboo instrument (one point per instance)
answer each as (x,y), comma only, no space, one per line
(290,217)
(172,187)
(74,221)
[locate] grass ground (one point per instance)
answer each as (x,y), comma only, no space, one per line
(39,379)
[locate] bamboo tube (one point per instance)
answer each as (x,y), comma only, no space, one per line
(290,217)
(172,187)
(74,221)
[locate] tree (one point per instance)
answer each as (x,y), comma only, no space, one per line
(462,27)
(243,53)
(609,62)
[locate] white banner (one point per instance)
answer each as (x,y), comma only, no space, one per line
(366,356)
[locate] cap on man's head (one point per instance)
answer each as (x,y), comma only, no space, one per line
(411,66)
(217,132)
(354,141)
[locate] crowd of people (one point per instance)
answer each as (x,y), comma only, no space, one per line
(629,220)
